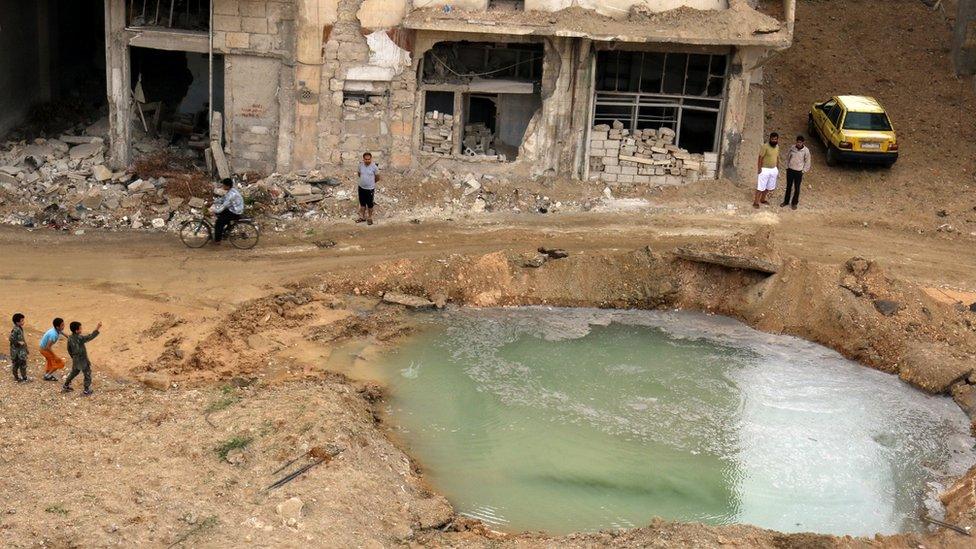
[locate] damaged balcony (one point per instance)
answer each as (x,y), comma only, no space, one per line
(172,25)
(723,22)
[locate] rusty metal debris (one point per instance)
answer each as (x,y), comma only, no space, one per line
(318,455)
(964,531)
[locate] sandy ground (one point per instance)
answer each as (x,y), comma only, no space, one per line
(247,345)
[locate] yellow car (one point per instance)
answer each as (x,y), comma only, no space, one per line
(854,128)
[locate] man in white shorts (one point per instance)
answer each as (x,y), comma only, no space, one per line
(768,170)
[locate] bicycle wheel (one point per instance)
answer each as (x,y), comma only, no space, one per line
(195,233)
(243,235)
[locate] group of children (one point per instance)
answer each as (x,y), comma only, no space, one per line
(76,349)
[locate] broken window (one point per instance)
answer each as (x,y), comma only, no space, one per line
(173,14)
(683,92)
(465,61)
(171,96)
(497,89)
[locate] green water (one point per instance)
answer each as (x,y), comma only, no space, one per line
(577,420)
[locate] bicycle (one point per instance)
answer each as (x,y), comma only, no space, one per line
(241,233)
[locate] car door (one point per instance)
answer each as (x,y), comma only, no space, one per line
(820,120)
(831,127)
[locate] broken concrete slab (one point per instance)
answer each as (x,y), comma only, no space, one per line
(408,301)
(86,150)
(196,202)
(101,173)
(726,260)
(932,369)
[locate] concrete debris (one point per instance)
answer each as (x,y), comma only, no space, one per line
(101,173)
(727,260)
(408,301)
(290,511)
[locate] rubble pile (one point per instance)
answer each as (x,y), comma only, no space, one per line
(647,156)
(479,141)
(438,132)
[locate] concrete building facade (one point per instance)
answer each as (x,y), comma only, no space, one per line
(619,90)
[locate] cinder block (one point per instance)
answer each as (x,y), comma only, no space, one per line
(225,7)
(629,170)
(598,136)
(254,25)
(229,23)
(254,8)
(642,179)
(611,161)
(624,178)
(598,144)
(612,169)
(237,40)
(609,177)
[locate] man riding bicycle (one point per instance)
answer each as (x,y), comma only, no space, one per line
(228,208)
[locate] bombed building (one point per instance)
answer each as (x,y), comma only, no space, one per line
(654,91)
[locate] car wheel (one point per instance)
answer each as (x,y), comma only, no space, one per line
(811,128)
(832,155)
(888,164)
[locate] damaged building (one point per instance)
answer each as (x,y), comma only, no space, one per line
(625,91)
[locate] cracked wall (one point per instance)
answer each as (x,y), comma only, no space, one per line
(256,38)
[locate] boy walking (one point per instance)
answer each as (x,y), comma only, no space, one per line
(79,356)
(18,349)
(54,362)
(797,164)
(368,176)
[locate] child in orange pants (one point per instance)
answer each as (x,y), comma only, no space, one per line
(54,362)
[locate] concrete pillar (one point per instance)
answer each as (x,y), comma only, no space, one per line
(964,38)
(555,140)
(308,81)
(581,106)
(117,83)
(734,162)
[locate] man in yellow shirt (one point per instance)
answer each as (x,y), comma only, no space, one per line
(768,170)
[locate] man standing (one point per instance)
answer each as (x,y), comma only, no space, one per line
(18,349)
(368,177)
(79,357)
(797,164)
(54,362)
(768,170)
(229,208)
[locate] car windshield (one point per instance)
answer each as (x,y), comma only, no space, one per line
(872,121)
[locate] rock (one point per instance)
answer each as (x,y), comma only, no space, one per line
(965,396)
(92,201)
(851,283)
(931,367)
(408,301)
(158,223)
(432,512)
(101,173)
(972,307)
(731,261)
(236,457)
(479,205)
(324,243)
(471,186)
(154,380)
(554,253)
(9,182)
(197,203)
(290,511)
(533,262)
(440,300)
(111,203)
(858,266)
(942,213)
(174,202)
(140,186)
(83,151)
(887,307)
(79,139)
(607,193)
(300,189)
(617,125)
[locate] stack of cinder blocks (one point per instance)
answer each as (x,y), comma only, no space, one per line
(648,156)
(438,132)
(478,140)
